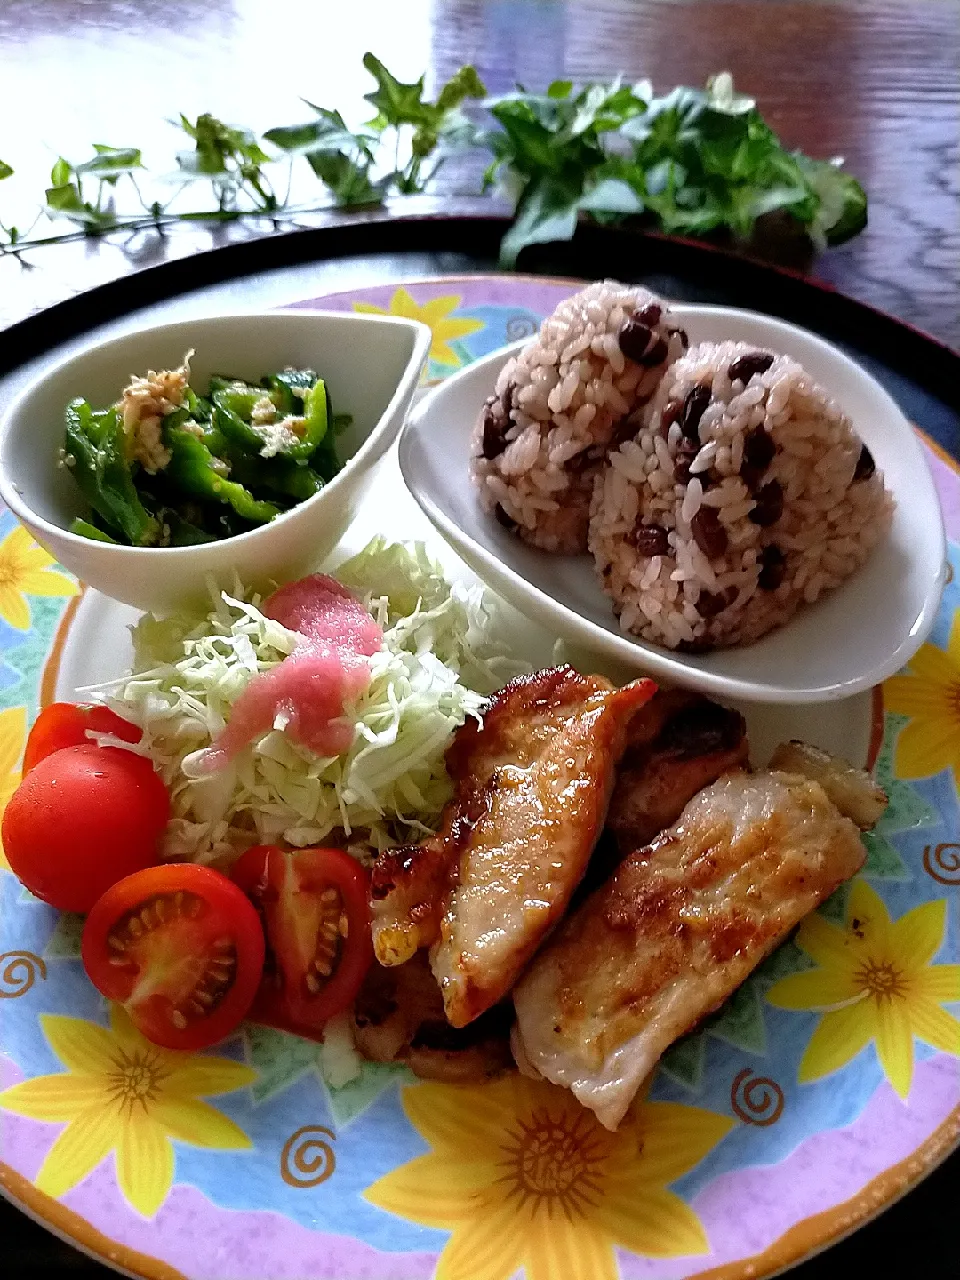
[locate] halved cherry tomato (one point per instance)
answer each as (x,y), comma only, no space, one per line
(316,913)
(181,948)
(82,819)
(65,724)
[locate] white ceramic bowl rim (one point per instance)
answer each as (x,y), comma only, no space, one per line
(12,498)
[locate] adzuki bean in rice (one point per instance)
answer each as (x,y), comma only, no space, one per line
(758,484)
(575,391)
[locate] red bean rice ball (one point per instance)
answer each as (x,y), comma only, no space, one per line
(560,405)
(745,494)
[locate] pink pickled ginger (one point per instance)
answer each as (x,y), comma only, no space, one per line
(309,689)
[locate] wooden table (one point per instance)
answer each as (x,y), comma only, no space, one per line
(872,80)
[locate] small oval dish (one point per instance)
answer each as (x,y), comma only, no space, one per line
(371,365)
(850,640)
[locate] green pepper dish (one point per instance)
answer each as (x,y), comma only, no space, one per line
(165,466)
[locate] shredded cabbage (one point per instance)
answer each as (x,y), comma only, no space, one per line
(435,669)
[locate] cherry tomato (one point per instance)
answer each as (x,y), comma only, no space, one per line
(65,724)
(181,948)
(316,913)
(82,819)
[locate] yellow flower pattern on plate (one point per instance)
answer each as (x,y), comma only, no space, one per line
(121,1093)
(874,982)
(523,1176)
(436,314)
(25,571)
(13,735)
(930,696)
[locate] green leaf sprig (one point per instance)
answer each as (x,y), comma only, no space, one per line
(231,160)
(696,160)
(405,125)
(693,162)
(65,195)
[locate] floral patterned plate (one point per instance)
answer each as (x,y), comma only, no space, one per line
(823,1089)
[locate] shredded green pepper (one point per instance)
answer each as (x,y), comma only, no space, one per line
(195,470)
(212,471)
(95,448)
(88,530)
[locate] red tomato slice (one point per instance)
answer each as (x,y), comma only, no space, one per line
(315,907)
(181,948)
(82,819)
(65,724)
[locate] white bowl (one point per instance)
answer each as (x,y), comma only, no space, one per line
(849,640)
(371,365)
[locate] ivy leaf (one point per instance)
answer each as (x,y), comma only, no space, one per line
(217,144)
(464,84)
(612,195)
(231,158)
(340,157)
(329,132)
(61,173)
(842,209)
(723,97)
(65,199)
(550,152)
(548,211)
(397,103)
(6,170)
(110,163)
(350,182)
(525,142)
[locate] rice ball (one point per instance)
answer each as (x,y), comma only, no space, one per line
(745,494)
(573,393)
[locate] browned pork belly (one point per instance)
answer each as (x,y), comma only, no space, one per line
(678,744)
(681,924)
(532,786)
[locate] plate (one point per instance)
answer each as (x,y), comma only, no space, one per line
(850,640)
(243,1162)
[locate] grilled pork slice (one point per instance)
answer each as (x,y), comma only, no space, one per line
(679,743)
(678,927)
(398,1017)
(853,792)
(532,786)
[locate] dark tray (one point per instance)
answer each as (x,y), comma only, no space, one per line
(921,373)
